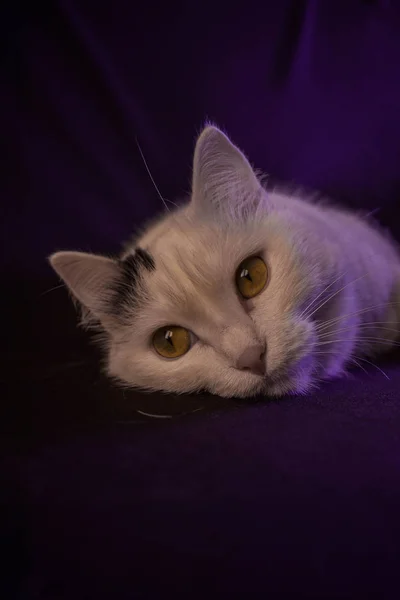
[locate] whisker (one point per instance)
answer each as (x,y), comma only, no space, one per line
(320,294)
(151,176)
(335,294)
(57,287)
(146,414)
(336,354)
(355,313)
(327,334)
(374,365)
(369,323)
(358,365)
(325,352)
(355,360)
(373,212)
(361,339)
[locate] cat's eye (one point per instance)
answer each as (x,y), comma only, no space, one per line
(171,341)
(251,276)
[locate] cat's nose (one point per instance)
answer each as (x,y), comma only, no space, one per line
(252,359)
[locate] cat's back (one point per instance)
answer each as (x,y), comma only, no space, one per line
(355,234)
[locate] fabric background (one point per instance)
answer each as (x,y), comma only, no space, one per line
(297,498)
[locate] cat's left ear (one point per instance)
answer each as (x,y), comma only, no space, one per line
(223,179)
(91,279)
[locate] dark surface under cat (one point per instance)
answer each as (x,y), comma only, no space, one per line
(292,499)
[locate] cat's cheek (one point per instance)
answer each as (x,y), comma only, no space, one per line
(290,343)
(296,372)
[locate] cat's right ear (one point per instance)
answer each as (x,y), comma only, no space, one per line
(224,183)
(89,278)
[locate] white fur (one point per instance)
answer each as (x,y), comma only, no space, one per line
(324,263)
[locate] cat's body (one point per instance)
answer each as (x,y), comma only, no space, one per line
(331,294)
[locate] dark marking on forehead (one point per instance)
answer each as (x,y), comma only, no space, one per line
(131,268)
(144,258)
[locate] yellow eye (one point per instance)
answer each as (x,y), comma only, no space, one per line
(251,276)
(171,341)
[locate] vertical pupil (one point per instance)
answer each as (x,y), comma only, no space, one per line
(168,337)
(245,273)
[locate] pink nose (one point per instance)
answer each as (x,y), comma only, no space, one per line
(252,359)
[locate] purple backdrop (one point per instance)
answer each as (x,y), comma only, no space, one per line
(309,89)
(292,499)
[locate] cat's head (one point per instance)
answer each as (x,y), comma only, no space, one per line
(210,296)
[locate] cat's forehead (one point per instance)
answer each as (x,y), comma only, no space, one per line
(195,265)
(182,238)
(175,231)
(194,261)
(186,248)
(196,252)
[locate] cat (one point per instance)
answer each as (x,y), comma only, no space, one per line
(240,291)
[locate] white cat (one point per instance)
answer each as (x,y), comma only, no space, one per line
(240,291)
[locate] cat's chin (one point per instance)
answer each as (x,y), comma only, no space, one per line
(298,385)
(297,382)
(249,389)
